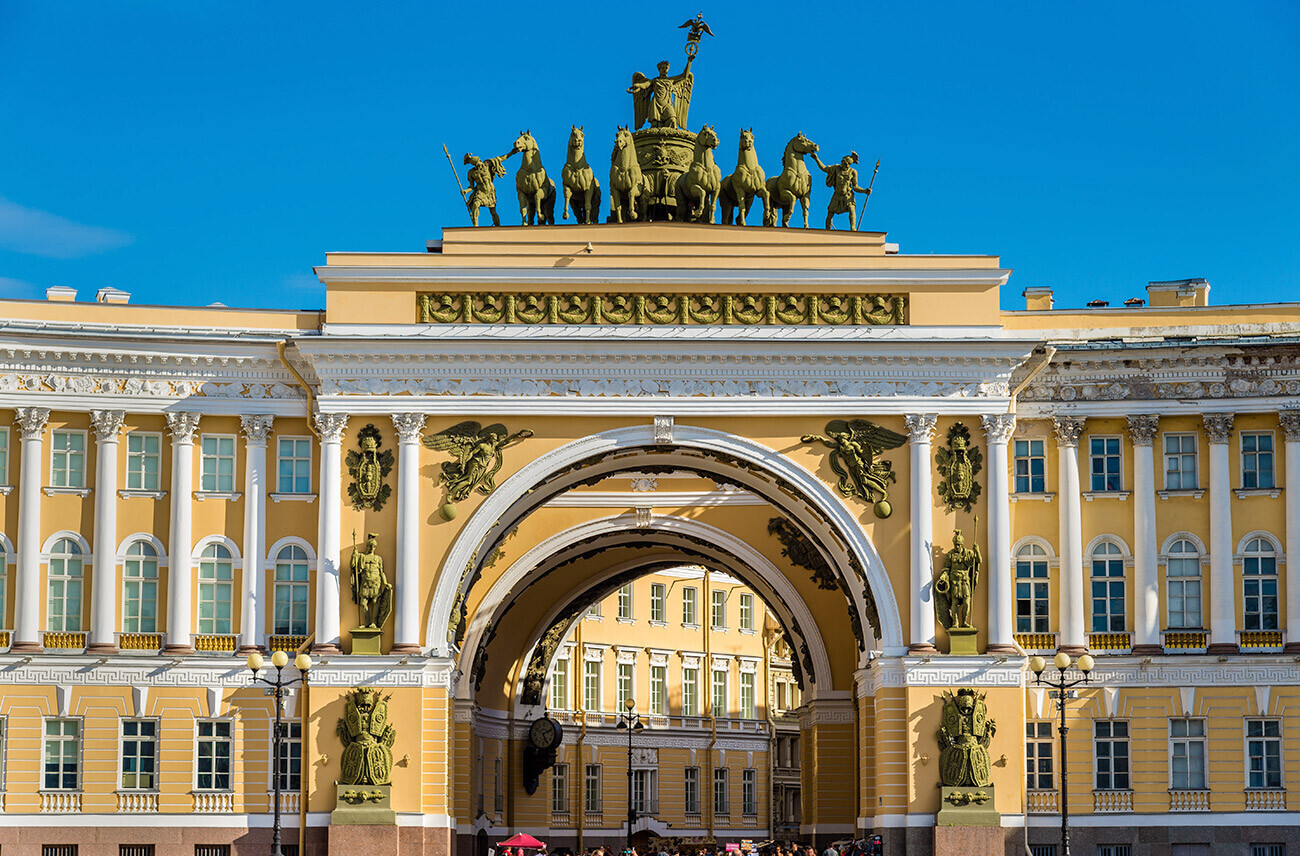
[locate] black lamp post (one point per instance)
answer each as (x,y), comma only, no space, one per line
(629,721)
(279,659)
(1061,685)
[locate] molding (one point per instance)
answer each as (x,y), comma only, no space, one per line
(1270,492)
(66,491)
(1121,495)
(605,277)
(142,494)
(1032,497)
(202,495)
(1194,493)
(654,499)
(940,671)
(292,497)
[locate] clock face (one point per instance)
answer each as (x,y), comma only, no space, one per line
(544,733)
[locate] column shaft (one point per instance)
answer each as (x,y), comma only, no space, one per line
(1074,639)
(1002,620)
(182,427)
(253,616)
(406,628)
(1223,607)
(1146,580)
(330,426)
(920,428)
(27,587)
(1290,422)
(104,589)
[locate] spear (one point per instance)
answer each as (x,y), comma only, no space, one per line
(452,164)
(868,199)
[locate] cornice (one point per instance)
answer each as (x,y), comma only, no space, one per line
(602,277)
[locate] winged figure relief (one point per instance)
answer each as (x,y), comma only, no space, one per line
(477,456)
(854,445)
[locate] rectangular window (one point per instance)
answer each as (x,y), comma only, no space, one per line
(1042,850)
(4,455)
(63,587)
(721,805)
(291,757)
(690,606)
(1108,590)
(498,788)
(594,610)
(1031,466)
(1268,850)
(211,850)
(591,789)
(749,791)
(746,612)
(143,460)
(718,615)
(1180,462)
(625,601)
(591,685)
(560,788)
(659,690)
(1257,460)
(658,596)
(213,752)
(560,684)
(1187,754)
(1032,596)
(139,753)
(624,684)
(1264,753)
(58,850)
(137,850)
(720,677)
(690,692)
(692,790)
(1183,585)
(747,701)
(291,593)
(216,590)
(293,465)
(645,791)
(1259,586)
(62,755)
(68,459)
(1110,749)
(1104,463)
(218,463)
(1039,747)
(1114,850)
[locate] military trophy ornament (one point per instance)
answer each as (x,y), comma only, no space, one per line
(965,769)
(854,445)
(478,458)
(954,592)
(372,593)
(365,778)
(369,467)
(959,464)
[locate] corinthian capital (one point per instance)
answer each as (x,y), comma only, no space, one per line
(408,426)
(920,426)
(998,426)
(1290,422)
(182,426)
(331,426)
(1142,428)
(1218,427)
(107,424)
(1068,429)
(256,428)
(31,421)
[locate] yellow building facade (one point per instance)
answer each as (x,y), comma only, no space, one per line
(181,488)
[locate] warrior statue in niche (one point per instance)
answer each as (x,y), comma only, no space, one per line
(367,739)
(371,590)
(955,586)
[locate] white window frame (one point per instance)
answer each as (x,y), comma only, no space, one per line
(293,587)
(142,456)
(199,559)
(625,683)
(1189,740)
(127,560)
(625,603)
(690,606)
(746,612)
(658,689)
(1095,555)
(722,776)
(1041,736)
(691,690)
(591,789)
(1272,460)
(714,623)
(749,705)
(228,741)
(598,667)
(558,691)
(658,603)
(726,692)
(691,779)
(1092,461)
(1248,555)
(280,457)
(1029,458)
(81,750)
(1181,455)
(234,464)
(83,558)
(1171,579)
(1112,740)
(1039,588)
(1265,739)
(560,788)
(749,792)
(122,739)
(84,453)
(286,744)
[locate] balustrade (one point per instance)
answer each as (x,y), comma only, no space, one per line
(1266,800)
(136,802)
(214,802)
(1104,802)
(60,802)
(1189,800)
(1044,802)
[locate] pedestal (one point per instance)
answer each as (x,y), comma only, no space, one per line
(961,641)
(968,823)
(363,805)
(366,640)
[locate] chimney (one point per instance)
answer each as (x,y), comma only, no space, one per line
(1098,304)
(1179,292)
(60,294)
(1038,298)
(108,294)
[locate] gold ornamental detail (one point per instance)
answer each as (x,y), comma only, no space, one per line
(856,310)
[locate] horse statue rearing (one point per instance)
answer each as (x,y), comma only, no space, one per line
(536,191)
(794,182)
(697,188)
(625,179)
(580,182)
(740,188)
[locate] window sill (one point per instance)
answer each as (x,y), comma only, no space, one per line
(1121,495)
(201,495)
(142,494)
(6,489)
(590,617)
(67,491)
(622,620)
(686,626)
(293,497)
(1194,493)
(718,629)
(1029,497)
(744,632)
(654,623)
(1270,492)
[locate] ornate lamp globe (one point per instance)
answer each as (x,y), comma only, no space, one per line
(255,661)
(302,662)
(279,659)
(1037,664)
(1062,661)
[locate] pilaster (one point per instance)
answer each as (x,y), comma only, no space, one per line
(1289,420)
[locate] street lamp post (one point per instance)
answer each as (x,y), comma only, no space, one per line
(629,721)
(1061,685)
(279,659)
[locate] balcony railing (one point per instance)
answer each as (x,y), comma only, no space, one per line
(136,802)
(6,638)
(1185,641)
(1036,642)
(560,818)
(1104,802)
(1044,802)
(151,642)
(1266,800)
(1262,641)
(60,802)
(1110,643)
(289,801)
(1189,800)
(593,819)
(215,643)
(63,640)
(288,644)
(213,802)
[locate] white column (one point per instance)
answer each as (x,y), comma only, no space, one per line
(107,425)
(330,427)
(1146,581)
(27,587)
(1223,602)
(998,428)
(182,427)
(1074,637)
(920,428)
(406,628)
(1290,422)
(253,624)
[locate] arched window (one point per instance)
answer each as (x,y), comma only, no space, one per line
(1183,585)
(1108,589)
(1031,590)
(216,586)
(291,592)
(63,609)
(1259,579)
(140,589)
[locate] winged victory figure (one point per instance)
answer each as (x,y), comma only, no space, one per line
(854,445)
(478,457)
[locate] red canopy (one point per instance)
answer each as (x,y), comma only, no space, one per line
(521,839)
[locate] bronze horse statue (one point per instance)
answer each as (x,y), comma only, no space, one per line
(794,182)
(747,182)
(580,183)
(697,188)
(626,183)
(536,191)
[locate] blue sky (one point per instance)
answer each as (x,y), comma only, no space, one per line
(214,151)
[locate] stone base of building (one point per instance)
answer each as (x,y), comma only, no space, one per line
(969,841)
(106,840)
(1148,839)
